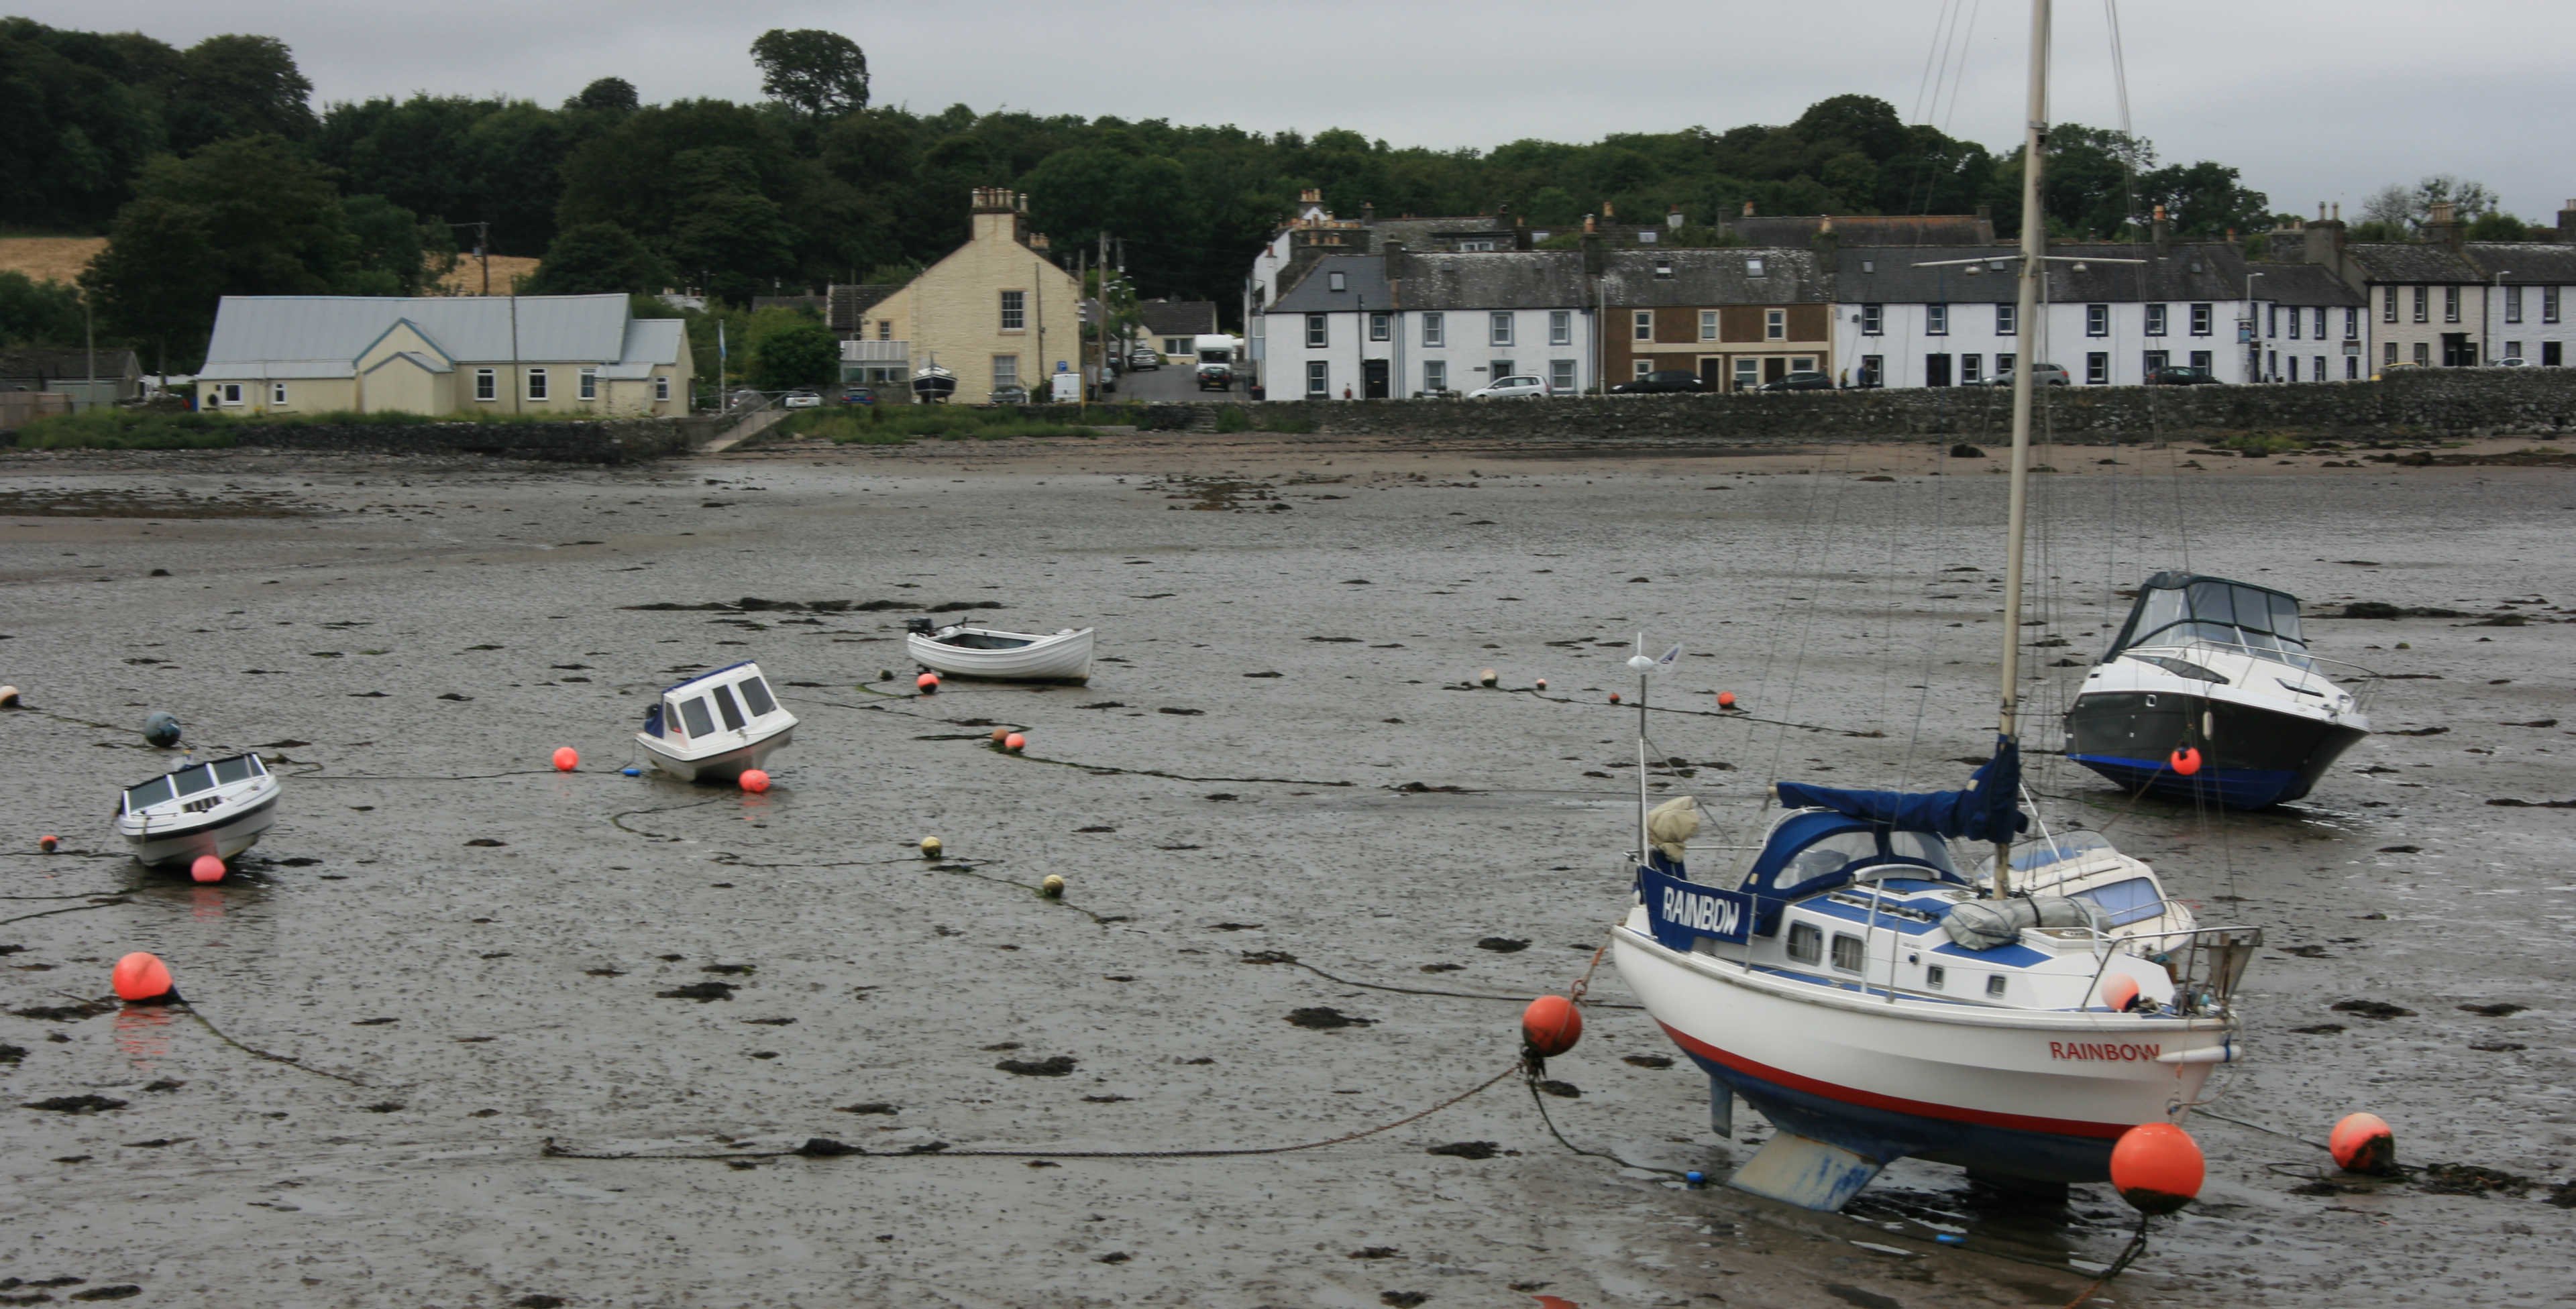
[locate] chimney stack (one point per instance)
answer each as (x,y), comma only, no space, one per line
(2163,229)
(1520,232)
(1395,265)
(2567,222)
(1607,211)
(1748,209)
(1368,211)
(2324,244)
(2443,226)
(1674,220)
(1826,241)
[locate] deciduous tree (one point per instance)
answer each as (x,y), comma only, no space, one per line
(820,74)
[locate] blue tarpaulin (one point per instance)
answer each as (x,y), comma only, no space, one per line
(1988,810)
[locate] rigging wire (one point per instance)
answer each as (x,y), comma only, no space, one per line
(1959,75)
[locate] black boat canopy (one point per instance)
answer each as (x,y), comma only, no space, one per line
(2179,608)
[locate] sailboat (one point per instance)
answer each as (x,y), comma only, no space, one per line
(1874,1001)
(2219,669)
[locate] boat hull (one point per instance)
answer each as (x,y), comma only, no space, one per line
(726,766)
(2030,1094)
(2251,757)
(228,835)
(1063,657)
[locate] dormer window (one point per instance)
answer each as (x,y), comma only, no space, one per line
(1869,265)
(1753,266)
(1335,282)
(1645,238)
(1995,264)
(1663,268)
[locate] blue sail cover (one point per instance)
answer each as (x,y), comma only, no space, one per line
(1989,810)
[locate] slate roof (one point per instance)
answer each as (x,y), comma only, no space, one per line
(1870,229)
(322,336)
(2303,285)
(1364,277)
(1500,279)
(50,364)
(2186,272)
(1177,317)
(852,300)
(2405,261)
(2524,262)
(1714,277)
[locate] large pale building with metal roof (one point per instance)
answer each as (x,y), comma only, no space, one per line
(563,355)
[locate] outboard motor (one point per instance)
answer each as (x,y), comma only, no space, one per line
(917,626)
(1985,924)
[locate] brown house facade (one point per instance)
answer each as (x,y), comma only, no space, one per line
(1737,317)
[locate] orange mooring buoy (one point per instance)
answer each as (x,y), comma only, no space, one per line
(1726,699)
(47,842)
(927,684)
(566,759)
(1015,743)
(754,780)
(2157,1168)
(142,976)
(2185,761)
(1551,1025)
(207,868)
(2362,1143)
(2119,991)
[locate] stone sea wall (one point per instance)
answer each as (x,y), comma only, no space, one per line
(2414,404)
(612,442)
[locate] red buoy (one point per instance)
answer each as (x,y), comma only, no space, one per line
(1614,697)
(142,976)
(1551,1025)
(47,842)
(2119,991)
(1015,742)
(754,780)
(2362,1143)
(2157,1168)
(2186,760)
(927,683)
(1726,699)
(1542,683)
(566,759)
(207,868)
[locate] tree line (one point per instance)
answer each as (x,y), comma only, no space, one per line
(211,174)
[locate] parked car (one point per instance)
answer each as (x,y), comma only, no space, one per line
(1216,377)
(1810,380)
(1524,387)
(858,395)
(801,400)
(744,398)
(1662,383)
(1144,361)
(2512,361)
(2386,369)
(1009,395)
(2180,375)
(2040,375)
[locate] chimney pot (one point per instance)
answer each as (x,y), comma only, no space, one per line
(1748,209)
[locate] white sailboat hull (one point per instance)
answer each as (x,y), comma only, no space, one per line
(1061,657)
(225,833)
(2034,1094)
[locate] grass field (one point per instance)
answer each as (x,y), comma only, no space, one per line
(61,259)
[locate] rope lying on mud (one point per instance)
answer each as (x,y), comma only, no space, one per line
(98,903)
(1283,957)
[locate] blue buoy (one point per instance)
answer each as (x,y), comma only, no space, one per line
(1694,1179)
(1947,1238)
(161,729)
(632,771)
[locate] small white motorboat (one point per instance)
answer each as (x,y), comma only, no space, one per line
(713,726)
(215,808)
(994,655)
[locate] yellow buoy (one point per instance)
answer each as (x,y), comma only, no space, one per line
(930,847)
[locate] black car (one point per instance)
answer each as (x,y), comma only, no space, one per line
(1806,381)
(2177,375)
(1662,384)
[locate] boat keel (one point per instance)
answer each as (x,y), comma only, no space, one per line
(1808,1173)
(1721,1109)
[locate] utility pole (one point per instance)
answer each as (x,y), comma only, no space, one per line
(1081,348)
(1104,304)
(89,344)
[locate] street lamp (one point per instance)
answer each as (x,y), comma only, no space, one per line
(2253,333)
(2496,290)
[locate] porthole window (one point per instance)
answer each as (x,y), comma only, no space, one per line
(1806,944)
(1995,986)
(1934,976)
(1847,952)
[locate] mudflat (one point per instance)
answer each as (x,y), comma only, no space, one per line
(1312,872)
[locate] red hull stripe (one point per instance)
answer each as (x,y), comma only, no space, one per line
(1893,1104)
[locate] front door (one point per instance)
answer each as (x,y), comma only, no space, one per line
(1936,370)
(1774,369)
(1373,379)
(2456,352)
(1712,372)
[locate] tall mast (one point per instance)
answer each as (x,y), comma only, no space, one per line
(2034,250)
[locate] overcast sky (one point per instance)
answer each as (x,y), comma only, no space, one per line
(2312,106)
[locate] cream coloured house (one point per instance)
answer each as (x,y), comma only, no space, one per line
(997,312)
(565,355)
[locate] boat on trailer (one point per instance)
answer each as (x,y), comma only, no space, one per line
(2222,669)
(932,384)
(992,654)
(219,808)
(715,725)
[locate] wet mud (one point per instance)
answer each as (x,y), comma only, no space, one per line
(652,1043)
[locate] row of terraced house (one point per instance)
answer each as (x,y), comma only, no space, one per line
(1372,308)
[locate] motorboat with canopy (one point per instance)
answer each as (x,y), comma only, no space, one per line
(932,384)
(2221,669)
(217,808)
(715,725)
(1874,1001)
(995,655)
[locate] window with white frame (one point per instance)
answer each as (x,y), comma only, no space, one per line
(1642,367)
(277,393)
(228,394)
(1641,325)
(1748,373)
(1499,328)
(1936,320)
(1971,369)
(2201,319)
(2294,322)
(1873,370)
(2321,326)
(589,385)
(1319,332)
(2004,364)
(2007,320)
(1664,268)
(662,388)
(1560,327)
(1432,330)
(487,384)
(2097,369)
(1802,363)
(2352,324)
(2200,359)
(1015,311)
(1708,324)
(2513,349)
(2450,304)
(2272,320)
(2155,362)
(2513,304)
(1873,320)
(536,384)
(2423,304)
(885,329)
(2156,320)
(1435,375)
(1381,327)
(2097,320)
(1006,372)
(1560,375)
(1775,324)
(1753,266)
(2549,304)
(1319,379)
(2423,354)
(2389,355)
(2388,309)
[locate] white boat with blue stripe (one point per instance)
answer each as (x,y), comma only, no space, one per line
(714,726)
(217,808)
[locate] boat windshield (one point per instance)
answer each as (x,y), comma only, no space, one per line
(755,693)
(693,713)
(725,705)
(2125,902)
(140,798)
(189,781)
(239,768)
(2056,848)
(2180,609)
